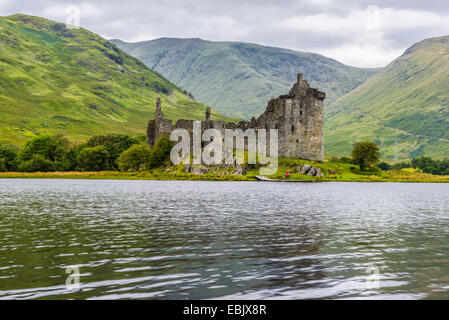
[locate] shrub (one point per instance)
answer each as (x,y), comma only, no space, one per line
(160,87)
(160,152)
(365,154)
(384,166)
(341,159)
(37,163)
(345,160)
(428,170)
(367,171)
(94,159)
(135,158)
(436,171)
(401,165)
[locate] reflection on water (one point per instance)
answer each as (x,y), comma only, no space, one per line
(213,240)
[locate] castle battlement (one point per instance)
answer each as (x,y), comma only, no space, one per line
(298,116)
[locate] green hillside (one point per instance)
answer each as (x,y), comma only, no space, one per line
(237,79)
(406,102)
(57,80)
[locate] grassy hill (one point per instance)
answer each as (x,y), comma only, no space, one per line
(237,79)
(57,80)
(406,102)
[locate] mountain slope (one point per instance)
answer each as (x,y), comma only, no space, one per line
(237,79)
(57,80)
(406,102)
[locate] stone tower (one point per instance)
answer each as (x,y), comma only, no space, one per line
(158,126)
(299,117)
(158,112)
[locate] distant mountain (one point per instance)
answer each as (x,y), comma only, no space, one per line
(237,79)
(407,102)
(58,80)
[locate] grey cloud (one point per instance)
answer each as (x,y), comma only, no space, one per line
(238,20)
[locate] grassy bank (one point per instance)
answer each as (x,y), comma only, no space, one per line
(333,171)
(116,175)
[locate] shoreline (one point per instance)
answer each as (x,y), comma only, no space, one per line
(162,176)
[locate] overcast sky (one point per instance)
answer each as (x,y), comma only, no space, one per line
(359,33)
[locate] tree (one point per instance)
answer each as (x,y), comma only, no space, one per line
(423,162)
(51,148)
(115,144)
(8,155)
(428,170)
(135,158)
(94,159)
(444,165)
(365,154)
(37,163)
(3,165)
(161,151)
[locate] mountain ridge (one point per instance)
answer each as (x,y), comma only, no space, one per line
(238,78)
(404,107)
(72,81)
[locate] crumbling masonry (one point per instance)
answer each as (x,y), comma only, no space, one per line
(298,116)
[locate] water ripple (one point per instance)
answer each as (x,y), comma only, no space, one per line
(215,240)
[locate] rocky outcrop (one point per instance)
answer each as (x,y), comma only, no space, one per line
(200,170)
(238,172)
(305,168)
(309,170)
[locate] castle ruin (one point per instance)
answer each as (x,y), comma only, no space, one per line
(298,116)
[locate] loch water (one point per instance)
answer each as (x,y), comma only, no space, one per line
(223,240)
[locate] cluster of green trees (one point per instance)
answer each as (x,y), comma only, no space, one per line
(367,156)
(114,152)
(425,164)
(110,152)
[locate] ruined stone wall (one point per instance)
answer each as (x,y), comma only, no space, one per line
(159,126)
(298,116)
